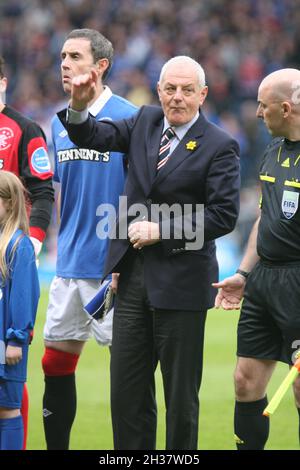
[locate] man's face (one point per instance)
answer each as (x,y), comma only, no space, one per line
(270,111)
(180,93)
(76,58)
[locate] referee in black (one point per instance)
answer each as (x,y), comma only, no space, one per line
(269,275)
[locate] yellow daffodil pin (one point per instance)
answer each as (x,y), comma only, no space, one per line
(191,145)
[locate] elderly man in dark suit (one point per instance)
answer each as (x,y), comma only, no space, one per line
(177,160)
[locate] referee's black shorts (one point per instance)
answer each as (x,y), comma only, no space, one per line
(269,325)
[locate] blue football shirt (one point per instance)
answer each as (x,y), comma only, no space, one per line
(88,178)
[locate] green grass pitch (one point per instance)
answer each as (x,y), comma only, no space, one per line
(92,427)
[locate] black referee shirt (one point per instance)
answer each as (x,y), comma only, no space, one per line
(279,229)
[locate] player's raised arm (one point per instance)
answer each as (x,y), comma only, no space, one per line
(83,90)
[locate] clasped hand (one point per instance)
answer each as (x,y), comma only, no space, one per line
(13,355)
(143,233)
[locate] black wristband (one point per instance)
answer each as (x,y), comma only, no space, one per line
(243,273)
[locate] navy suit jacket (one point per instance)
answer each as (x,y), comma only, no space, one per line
(208,174)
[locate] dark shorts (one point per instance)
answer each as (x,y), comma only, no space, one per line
(269,325)
(11,393)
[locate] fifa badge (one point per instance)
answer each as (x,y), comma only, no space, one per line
(289,204)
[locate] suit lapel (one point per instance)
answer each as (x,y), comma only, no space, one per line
(183,150)
(153,142)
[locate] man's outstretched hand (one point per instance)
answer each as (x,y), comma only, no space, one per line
(231,291)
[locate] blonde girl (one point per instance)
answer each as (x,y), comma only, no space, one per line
(19,294)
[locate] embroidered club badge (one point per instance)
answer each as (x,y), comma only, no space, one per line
(289,204)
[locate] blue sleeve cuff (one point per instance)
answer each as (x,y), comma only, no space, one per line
(17,336)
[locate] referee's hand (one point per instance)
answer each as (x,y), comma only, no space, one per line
(231,291)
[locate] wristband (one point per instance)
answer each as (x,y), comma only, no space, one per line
(243,273)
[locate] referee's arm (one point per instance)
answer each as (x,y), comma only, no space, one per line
(251,257)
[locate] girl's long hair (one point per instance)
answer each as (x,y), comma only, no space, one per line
(12,192)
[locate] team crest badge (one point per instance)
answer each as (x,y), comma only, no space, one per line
(289,204)
(6,137)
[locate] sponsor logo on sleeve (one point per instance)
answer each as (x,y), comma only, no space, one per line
(40,160)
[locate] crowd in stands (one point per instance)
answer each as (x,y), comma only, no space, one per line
(237,42)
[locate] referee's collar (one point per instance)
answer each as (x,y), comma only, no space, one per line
(100,102)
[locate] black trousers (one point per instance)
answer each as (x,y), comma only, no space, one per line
(142,336)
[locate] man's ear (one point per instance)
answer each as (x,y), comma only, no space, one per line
(102,65)
(286,108)
(158,90)
(203,94)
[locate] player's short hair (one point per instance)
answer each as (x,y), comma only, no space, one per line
(101,47)
(2,62)
(181,59)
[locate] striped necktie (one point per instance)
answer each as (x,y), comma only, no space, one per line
(164,148)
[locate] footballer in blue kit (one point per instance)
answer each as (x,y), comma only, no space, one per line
(87,179)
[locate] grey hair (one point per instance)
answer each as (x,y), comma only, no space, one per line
(101,47)
(181,59)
